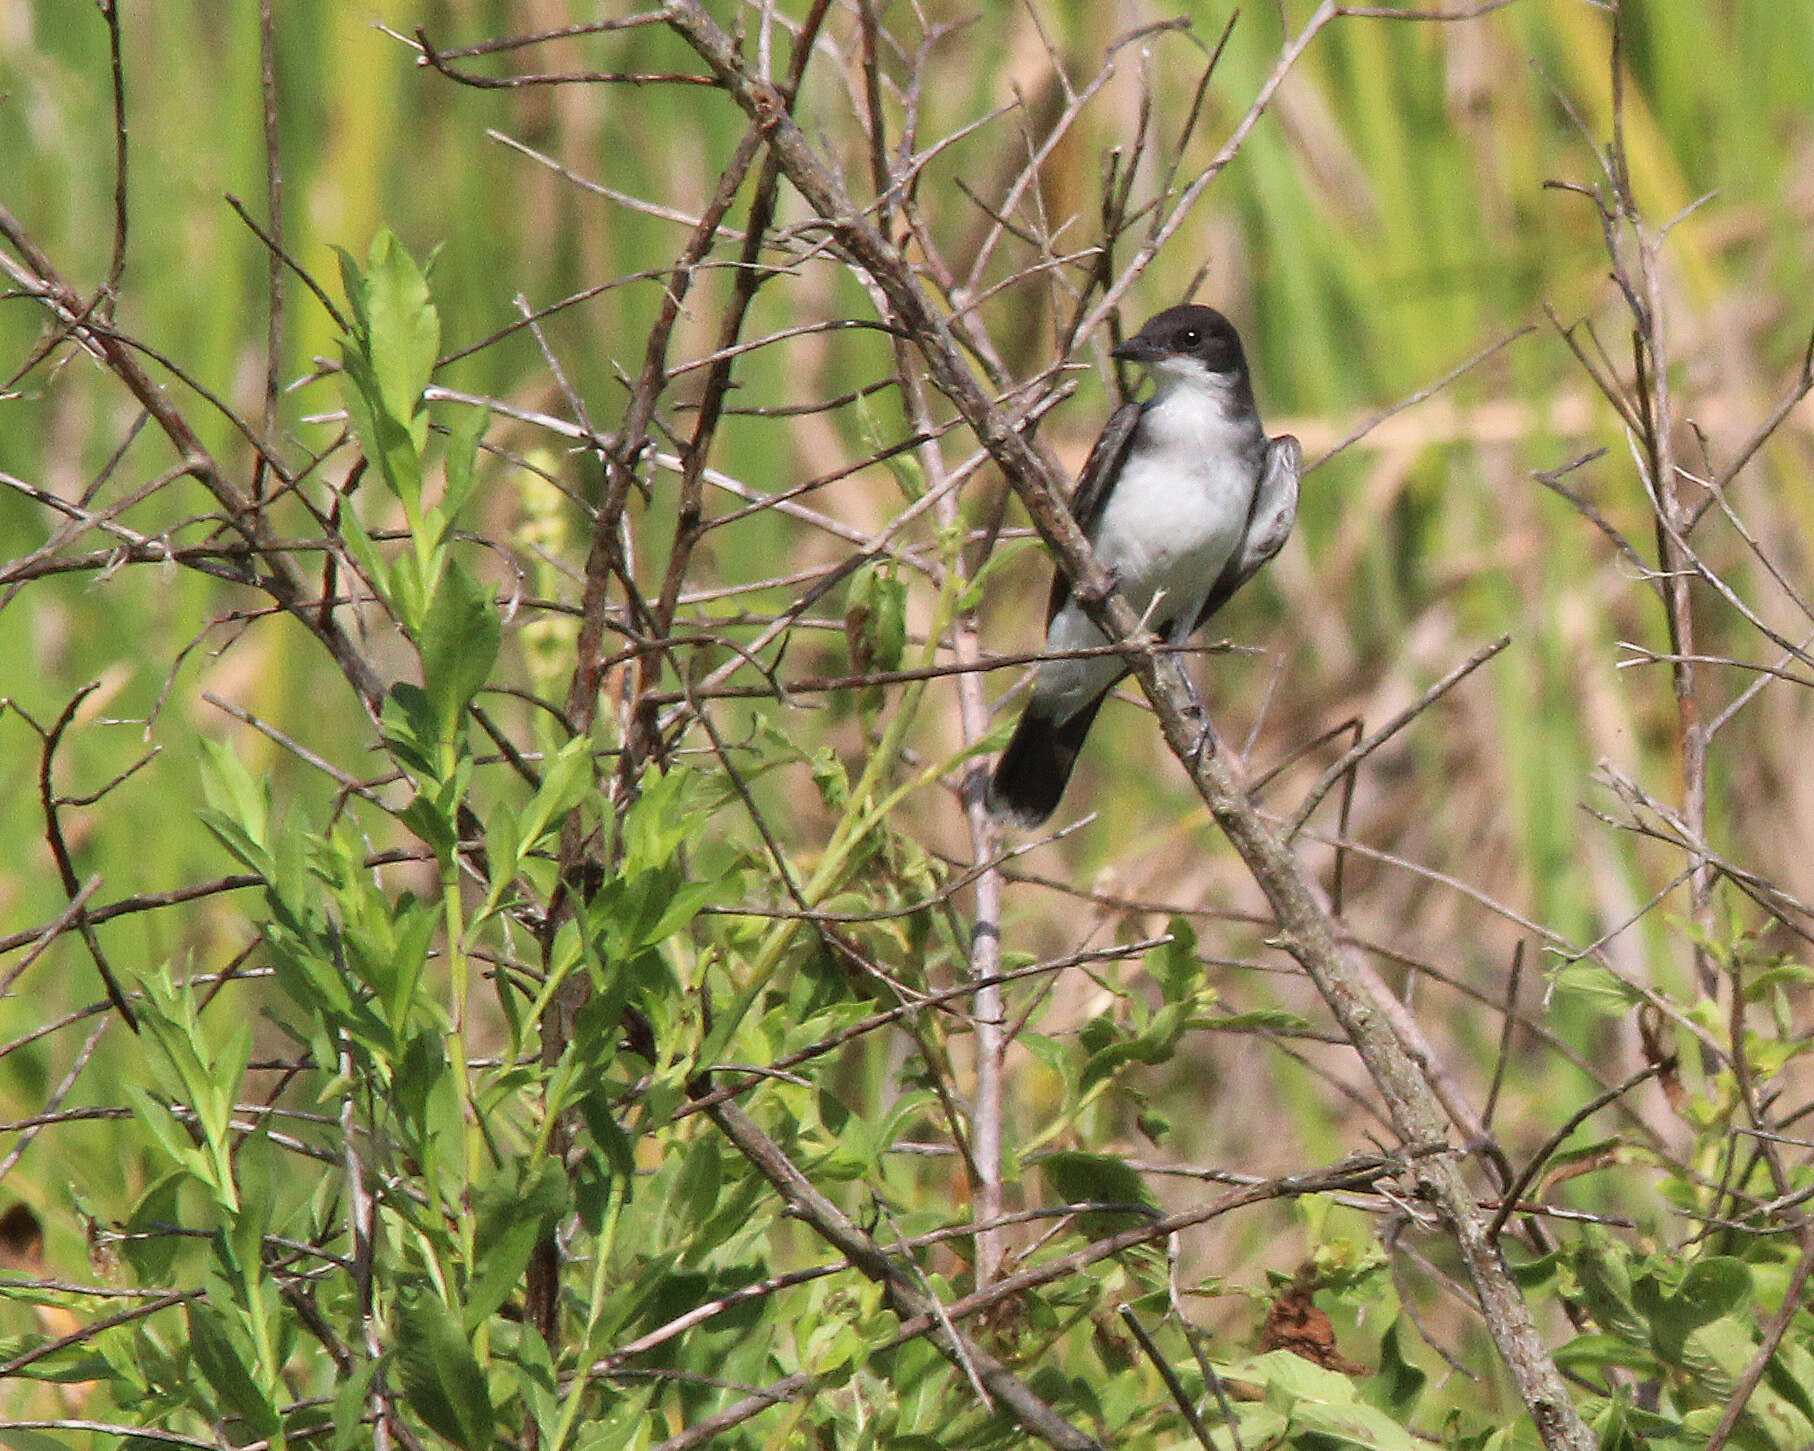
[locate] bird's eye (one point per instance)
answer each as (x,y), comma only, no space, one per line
(1190,337)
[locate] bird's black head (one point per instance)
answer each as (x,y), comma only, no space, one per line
(1200,334)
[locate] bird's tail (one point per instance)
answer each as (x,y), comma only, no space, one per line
(1030,777)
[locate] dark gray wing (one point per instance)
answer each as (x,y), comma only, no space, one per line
(1099,469)
(1269,520)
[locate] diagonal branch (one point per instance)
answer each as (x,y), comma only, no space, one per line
(1306,928)
(281,579)
(905,1296)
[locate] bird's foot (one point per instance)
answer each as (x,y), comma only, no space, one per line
(1205,743)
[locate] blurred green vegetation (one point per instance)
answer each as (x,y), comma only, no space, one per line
(1384,222)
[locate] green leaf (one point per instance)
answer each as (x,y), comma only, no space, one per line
(226,1371)
(425,817)
(514,1212)
(1535,1274)
(458,644)
(442,1379)
(239,808)
(1712,1287)
(231,789)
(1586,1353)
(1354,1423)
(420,1070)
(1621,1426)
(1323,1401)
(1602,1269)
(660,819)
(566,781)
(71,1365)
(1787,973)
(1277,1020)
(1080,1178)
(170,1137)
(681,906)
(1790,1372)
(393,964)
(875,625)
(364,549)
(408,722)
(403,328)
(830,777)
(696,1190)
(504,853)
(607,1135)
(387,440)
(150,1248)
(461,466)
(350,1429)
(1399,1382)
(1174,965)
(21,1438)
(1598,988)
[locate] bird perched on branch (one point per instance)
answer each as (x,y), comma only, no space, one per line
(1183,498)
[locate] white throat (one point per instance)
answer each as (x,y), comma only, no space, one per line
(1196,413)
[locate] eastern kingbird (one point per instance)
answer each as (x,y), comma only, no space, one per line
(1183,498)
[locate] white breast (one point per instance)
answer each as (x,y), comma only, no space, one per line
(1172,520)
(1178,509)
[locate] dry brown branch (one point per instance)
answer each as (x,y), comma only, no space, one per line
(1306,930)
(37,275)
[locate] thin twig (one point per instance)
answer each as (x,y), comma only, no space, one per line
(1362,749)
(1306,928)
(1786,1312)
(1510,1200)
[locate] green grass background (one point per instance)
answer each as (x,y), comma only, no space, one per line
(1386,221)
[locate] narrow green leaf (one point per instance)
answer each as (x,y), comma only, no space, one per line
(388,441)
(458,644)
(682,905)
(350,1429)
(425,817)
(1400,1383)
(1589,1353)
(514,1213)
(504,853)
(226,1371)
(442,1379)
(352,283)
(461,466)
(404,330)
(421,1068)
(566,781)
(232,791)
(175,1143)
(149,1246)
(1174,965)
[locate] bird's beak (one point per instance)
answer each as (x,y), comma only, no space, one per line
(1137,349)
